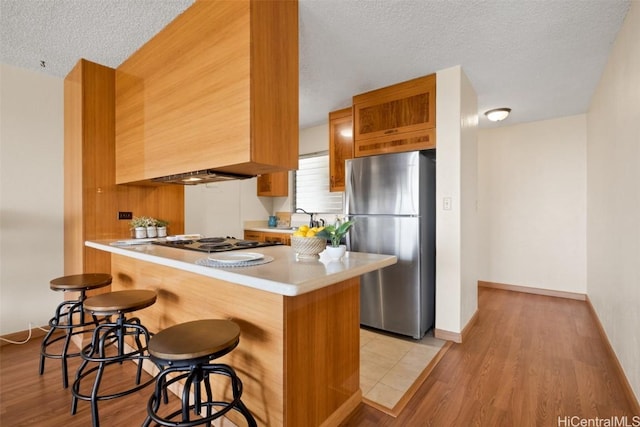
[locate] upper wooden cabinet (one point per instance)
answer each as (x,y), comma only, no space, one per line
(340,146)
(215,89)
(396,118)
(274,184)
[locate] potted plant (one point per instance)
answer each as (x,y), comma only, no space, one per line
(334,234)
(139,225)
(161,226)
(152,231)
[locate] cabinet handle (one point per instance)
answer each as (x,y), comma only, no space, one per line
(387,132)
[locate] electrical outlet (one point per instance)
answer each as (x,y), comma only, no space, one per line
(125,215)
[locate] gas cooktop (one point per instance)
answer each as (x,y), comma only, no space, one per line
(214,244)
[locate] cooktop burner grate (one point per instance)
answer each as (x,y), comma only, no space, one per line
(212,240)
(247,243)
(214,244)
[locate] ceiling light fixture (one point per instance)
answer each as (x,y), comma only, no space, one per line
(497,114)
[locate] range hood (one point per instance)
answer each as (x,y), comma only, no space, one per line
(200,177)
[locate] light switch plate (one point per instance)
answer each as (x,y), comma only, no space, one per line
(446,203)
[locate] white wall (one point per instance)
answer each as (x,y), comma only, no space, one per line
(613,197)
(456,275)
(31,196)
(532,202)
(468,200)
(220,209)
(314,139)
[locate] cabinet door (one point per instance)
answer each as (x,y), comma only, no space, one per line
(396,118)
(253,235)
(274,184)
(340,146)
(283,238)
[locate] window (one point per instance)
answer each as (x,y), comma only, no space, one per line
(312,186)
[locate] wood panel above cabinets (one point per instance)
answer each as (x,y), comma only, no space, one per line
(340,146)
(273,184)
(401,117)
(217,89)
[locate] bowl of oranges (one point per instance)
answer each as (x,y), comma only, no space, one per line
(305,243)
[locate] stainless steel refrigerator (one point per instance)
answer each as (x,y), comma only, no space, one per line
(392,199)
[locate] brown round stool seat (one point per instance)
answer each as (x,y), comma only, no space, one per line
(70,318)
(100,353)
(80,282)
(184,352)
(209,338)
(119,302)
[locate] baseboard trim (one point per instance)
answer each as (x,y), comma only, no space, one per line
(530,290)
(628,390)
(20,336)
(457,337)
(342,413)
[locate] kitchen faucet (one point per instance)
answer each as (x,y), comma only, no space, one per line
(312,221)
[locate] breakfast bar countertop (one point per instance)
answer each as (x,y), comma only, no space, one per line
(285,275)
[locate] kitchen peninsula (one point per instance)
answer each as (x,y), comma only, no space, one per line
(298,355)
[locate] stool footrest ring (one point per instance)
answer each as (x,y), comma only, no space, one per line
(195,375)
(105,336)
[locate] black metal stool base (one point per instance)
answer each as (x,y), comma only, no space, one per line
(195,373)
(71,319)
(105,336)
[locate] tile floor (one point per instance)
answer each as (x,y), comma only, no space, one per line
(389,365)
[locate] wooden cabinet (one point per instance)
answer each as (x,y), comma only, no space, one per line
(284,238)
(340,146)
(265,236)
(253,235)
(217,89)
(274,184)
(92,199)
(396,118)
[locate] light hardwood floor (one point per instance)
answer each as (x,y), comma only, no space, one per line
(529,360)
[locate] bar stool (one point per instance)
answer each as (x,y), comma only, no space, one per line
(184,351)
(70,317)
(99,352)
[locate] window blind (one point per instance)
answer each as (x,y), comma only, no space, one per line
(312,186)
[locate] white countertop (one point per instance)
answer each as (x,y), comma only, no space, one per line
(285,275)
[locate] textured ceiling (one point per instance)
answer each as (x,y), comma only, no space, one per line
(542,58)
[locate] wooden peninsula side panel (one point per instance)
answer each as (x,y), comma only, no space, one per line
(298,356)
(322,355)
